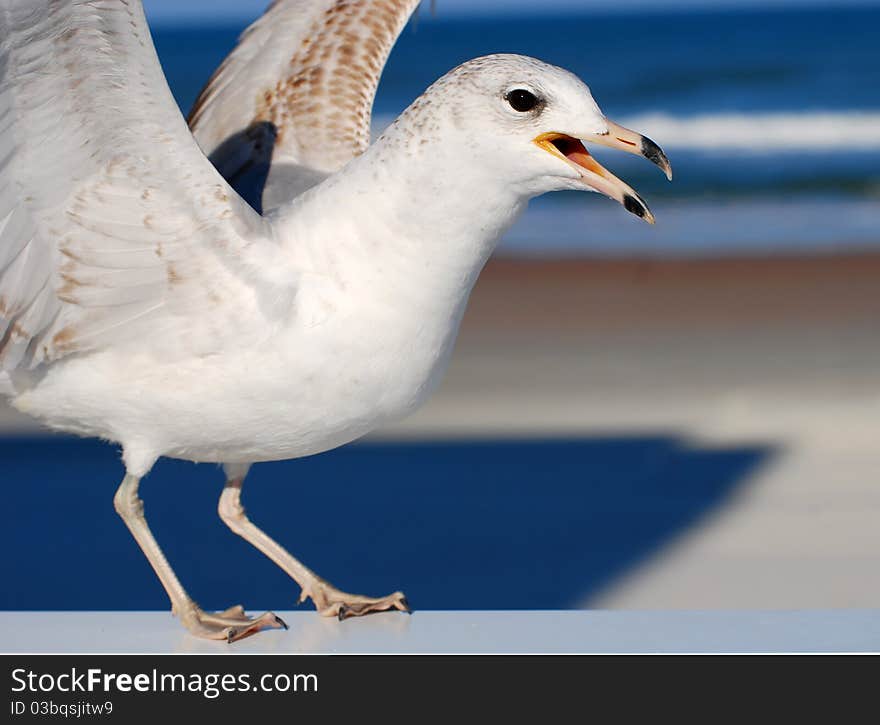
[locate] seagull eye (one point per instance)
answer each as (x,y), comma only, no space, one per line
(521,100)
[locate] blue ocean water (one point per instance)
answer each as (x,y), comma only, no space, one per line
(771,119)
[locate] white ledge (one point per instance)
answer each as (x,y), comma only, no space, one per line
(843,630)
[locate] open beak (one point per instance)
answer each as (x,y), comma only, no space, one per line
(596,176)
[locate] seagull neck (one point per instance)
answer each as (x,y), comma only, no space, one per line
(424,215)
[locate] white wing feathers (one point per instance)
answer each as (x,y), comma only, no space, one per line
(109,212)
(296,94)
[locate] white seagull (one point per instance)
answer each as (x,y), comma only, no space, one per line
(146,302)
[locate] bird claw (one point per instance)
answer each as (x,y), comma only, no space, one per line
(331,602)
(232,624)
(385,604)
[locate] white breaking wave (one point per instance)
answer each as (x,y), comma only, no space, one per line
(763,132)
(756,132)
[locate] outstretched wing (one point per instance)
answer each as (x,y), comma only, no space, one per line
(291,104)
(110,215)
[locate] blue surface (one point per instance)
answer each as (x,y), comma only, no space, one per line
(486,525)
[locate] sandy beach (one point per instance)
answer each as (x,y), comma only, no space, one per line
(575,345)
(771,361)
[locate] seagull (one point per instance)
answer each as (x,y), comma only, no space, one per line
(260,283)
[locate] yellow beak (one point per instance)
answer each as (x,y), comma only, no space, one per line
(596,176)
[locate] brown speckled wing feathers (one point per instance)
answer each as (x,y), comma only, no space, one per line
(297,91)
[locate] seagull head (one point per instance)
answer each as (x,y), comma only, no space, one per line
(532,124)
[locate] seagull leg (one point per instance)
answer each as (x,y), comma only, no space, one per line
(329,601)
(230,625)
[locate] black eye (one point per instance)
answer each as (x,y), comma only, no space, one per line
(521,100)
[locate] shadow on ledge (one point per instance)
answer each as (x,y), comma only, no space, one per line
(477,525)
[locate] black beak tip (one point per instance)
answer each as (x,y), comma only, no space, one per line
(636,206)
(655,155)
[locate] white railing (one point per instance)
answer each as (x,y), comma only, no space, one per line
(844,630)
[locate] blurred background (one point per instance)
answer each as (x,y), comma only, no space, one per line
(680,416)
